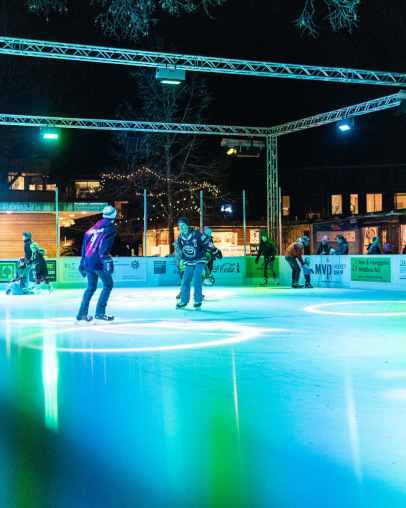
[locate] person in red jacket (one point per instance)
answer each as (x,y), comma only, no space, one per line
(293,254)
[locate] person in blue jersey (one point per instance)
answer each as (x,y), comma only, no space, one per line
(194,246)
(96,262)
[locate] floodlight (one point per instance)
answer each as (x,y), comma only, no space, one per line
(402,105)
(246,147)
(50,133)
(345,124)
(169,76)
(231,151)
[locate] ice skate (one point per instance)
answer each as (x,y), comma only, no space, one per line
(8,291)
(25,291)
(178,296)
(212,279)
(50,288)
(264,282)
(308,286)
(180,305)
(37,289)
(84,319)
(296,285)
(207,282)
(276,280)
(197,305)
(104,317)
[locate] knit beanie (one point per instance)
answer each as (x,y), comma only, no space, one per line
(325,238)
(28,235)
(207,231)
(185,220)
(109,212)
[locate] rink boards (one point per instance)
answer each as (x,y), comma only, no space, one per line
(358,272)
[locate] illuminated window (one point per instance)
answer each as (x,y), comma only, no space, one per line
(336,204)
(400,201)
(354,203)
(36,184)
(51,187)
(374,202)
(86,189)
(18,184)
(285,205)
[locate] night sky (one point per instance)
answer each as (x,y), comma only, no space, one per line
(257,30)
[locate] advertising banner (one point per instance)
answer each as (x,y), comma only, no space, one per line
(7,270)
(371,269)
(125,269)
(228,268)
(331,269)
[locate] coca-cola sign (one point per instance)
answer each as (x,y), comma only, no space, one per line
(227,267)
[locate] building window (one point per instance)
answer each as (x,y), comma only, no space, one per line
(18,184)
(400,201)
(336,204)
(36,184)
(285,205)
(86,189)
(374,203)
(354,203)
(51,187)
(122,208)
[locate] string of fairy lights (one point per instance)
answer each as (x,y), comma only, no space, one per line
(178,205)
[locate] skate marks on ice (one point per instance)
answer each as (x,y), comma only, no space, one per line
(381,308)
(134,335)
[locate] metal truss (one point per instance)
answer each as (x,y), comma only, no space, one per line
(128,125)
(272,189)
(77,52)
(371,106)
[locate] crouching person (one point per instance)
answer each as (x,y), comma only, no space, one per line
(39,265)
(19,283)
(96,262)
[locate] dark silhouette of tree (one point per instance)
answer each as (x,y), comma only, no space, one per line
(173,167)
(132,19)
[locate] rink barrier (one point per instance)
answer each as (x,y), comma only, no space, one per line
(351,272)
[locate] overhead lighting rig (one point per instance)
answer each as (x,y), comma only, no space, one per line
(243,147)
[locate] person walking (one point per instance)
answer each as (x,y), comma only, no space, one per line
(194,246)
(268,249)
(293,254)
(96,263)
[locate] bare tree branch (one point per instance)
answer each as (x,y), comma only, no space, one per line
(341,14)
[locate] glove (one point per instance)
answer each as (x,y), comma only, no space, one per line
(108,266)
(218,254)
(82,271)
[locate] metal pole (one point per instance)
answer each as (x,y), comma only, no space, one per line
(244,223)
(280,221)
(145,222)
(57,221)
(201,211)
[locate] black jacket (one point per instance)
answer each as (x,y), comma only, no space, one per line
(268,249)
(27,249)
(324,249)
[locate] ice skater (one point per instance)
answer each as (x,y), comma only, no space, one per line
(38,264)
(27,237)
(194,246)
(293,254)
(307,271)
(210,257)
(268,249)
(96,262)
(19,282)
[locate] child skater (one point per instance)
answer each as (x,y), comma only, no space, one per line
(38,263)
(20,277)
(306,272)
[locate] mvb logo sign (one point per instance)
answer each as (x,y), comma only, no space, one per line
(325,270)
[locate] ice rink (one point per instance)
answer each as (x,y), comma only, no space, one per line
(267,397)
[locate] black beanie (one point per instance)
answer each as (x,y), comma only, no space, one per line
(185,220)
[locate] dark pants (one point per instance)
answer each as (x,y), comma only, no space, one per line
(92,278)
(268,262)
(295,269)
(307,278)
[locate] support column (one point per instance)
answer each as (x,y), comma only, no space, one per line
(272,190)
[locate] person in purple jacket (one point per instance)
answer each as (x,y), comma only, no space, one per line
(96,262)
(194,246)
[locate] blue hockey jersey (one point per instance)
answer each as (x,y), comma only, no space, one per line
(194,247)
